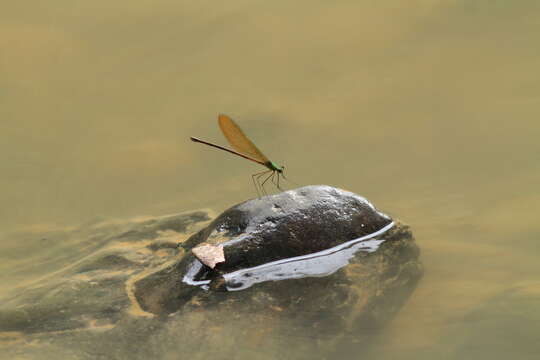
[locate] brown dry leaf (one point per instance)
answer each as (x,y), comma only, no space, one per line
(209,255)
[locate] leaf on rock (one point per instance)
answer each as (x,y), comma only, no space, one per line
(209,255)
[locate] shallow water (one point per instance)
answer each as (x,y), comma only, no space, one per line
(429,108)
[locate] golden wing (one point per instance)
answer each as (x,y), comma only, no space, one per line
(238,139)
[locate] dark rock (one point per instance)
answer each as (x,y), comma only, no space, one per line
(308,220)
(289,224)
(319,268)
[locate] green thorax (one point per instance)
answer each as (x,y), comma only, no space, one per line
(273,166)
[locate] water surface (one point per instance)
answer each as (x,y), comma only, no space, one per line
(428,108)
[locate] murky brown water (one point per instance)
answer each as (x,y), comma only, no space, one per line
(429,108)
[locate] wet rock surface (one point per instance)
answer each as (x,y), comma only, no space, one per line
(344,270)
(288,225)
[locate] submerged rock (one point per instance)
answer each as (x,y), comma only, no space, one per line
(319,268)
(304,234)
(94,289)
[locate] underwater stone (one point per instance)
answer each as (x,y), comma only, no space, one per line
(304,227)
